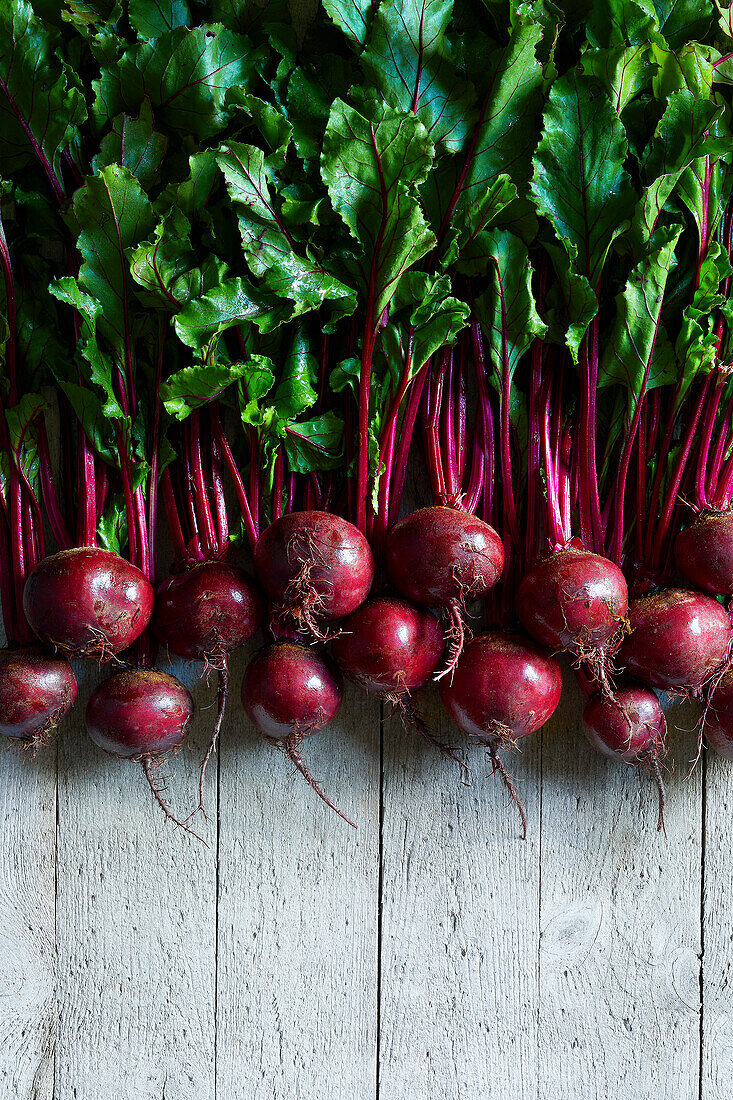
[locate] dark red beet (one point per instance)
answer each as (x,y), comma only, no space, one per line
(630,728)
(37,690)
(718,725)
(678,639)
(577,601)
(210,610)
(204,614)
(442,557)
(504,688)
(316,567)
(145,715)
(704,552)
(391,648)
(290,691)
(88,602)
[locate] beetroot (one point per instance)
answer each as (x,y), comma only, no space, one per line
(504,688)
(37,691)
(204,614)
(207,611)
(88,602)
(630,728)
(718,723)
(443,557)
(289,692)
(679,639)
(315,567)
(144,715)
(704,552)
(577,601)
(391,648)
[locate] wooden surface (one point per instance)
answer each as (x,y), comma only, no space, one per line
(430,954)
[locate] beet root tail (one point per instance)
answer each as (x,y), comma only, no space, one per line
(156,783)
(499,766)
(291,747)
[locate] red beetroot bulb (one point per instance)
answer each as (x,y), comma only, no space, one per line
(88,602)
(504,688)
(445,558)
(630,728)
(37,690)
(577,601)
(391,648)
(210,609)
(704,552)
(289,692)
(315,567)
(144,715)
(679,639)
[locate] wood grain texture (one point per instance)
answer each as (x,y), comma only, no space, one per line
(717,912)
(136,924)
(620,940)
(298,893)
(28,1009)
(460,924)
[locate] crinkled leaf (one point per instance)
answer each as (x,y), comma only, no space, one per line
(408,59)
(435,316)
(314,444)
(706,201)
(134,143)
(269,247)
(372,168)
(192,387)
(681,136)
(623,70)
(111,213)
(683,20)
(90,411)
(352,16)
(23,446)
(274,126)
(167,268)
(185,74)
(579,180)
(571,300)
(40,107)
(638,355)
(234,301)
(614,23)
(296,389)
(152,18)
(507,309)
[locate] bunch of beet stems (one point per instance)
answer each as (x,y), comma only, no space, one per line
(189,512)
(21,529)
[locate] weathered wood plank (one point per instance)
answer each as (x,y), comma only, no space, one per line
(717,909)
(460,924)
(136,911)
(619,964)
(27,923)
(297,981)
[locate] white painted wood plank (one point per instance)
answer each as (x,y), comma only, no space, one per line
(136,913)
(460,924)
(619,964)
(717,960)
(27,923)
(297,985)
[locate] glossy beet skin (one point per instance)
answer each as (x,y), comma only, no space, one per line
(718,726)
(504,688)
(704,553)
(139,712)
(316,557)
(389,646)
(678,639)
(290,688)
(37,690)
(88,602)
(572,600)
(439,555)
(211,609)
(626,726)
